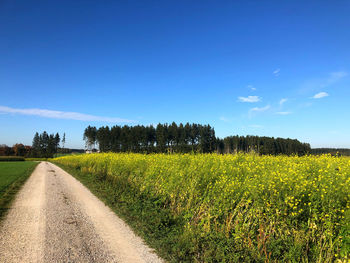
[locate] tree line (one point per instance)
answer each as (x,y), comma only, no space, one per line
(45,145)
(184,138)
(147,139)
(263,145)
(17,149)
(332,151)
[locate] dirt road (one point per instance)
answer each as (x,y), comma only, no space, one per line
(56,219)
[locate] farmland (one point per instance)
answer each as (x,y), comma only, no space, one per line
(12,176)
(227,208)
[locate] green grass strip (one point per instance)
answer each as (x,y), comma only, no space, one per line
(12,176)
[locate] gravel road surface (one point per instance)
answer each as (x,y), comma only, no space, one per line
(54,218)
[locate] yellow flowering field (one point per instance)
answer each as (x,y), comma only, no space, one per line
(243,207)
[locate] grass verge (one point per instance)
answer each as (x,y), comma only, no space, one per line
(12,177)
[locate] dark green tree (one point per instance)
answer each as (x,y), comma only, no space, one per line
(89,137)
(57,141)
(63,140)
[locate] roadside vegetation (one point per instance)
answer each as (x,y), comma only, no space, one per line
(12,177)
(227,208)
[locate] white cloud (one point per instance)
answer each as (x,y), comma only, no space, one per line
(257,109)
(249,99)
(283,101)
(276,72)
(320,95)
(283,112)
(62,115)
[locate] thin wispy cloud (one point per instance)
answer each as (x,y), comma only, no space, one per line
(320,95)
(315,84)
(253,111)
(251,87)
(276,72)
(305,105)
(224,119)
(62,115)
(255,126)
(282,101)
(257,109)
(335,132)
(283,112)
(334,77)
(250,99)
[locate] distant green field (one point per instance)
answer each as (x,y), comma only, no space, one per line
(12,177)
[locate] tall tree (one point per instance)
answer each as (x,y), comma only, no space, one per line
(63,140)
(51,145)
(161,137)
(36,145)
(116,139)
(151,138)
(103,137)
(57,141)
(90,137)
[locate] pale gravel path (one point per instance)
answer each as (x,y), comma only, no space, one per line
(54,218)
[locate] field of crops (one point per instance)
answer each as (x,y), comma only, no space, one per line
(239,208)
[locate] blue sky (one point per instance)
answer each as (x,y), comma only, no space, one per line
(272,68)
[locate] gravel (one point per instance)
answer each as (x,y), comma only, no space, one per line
(54,218)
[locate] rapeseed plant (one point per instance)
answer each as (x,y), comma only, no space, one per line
(258,207)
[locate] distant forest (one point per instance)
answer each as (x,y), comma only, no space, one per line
(333,151)
(184,138)
(44,146)
(164,138)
